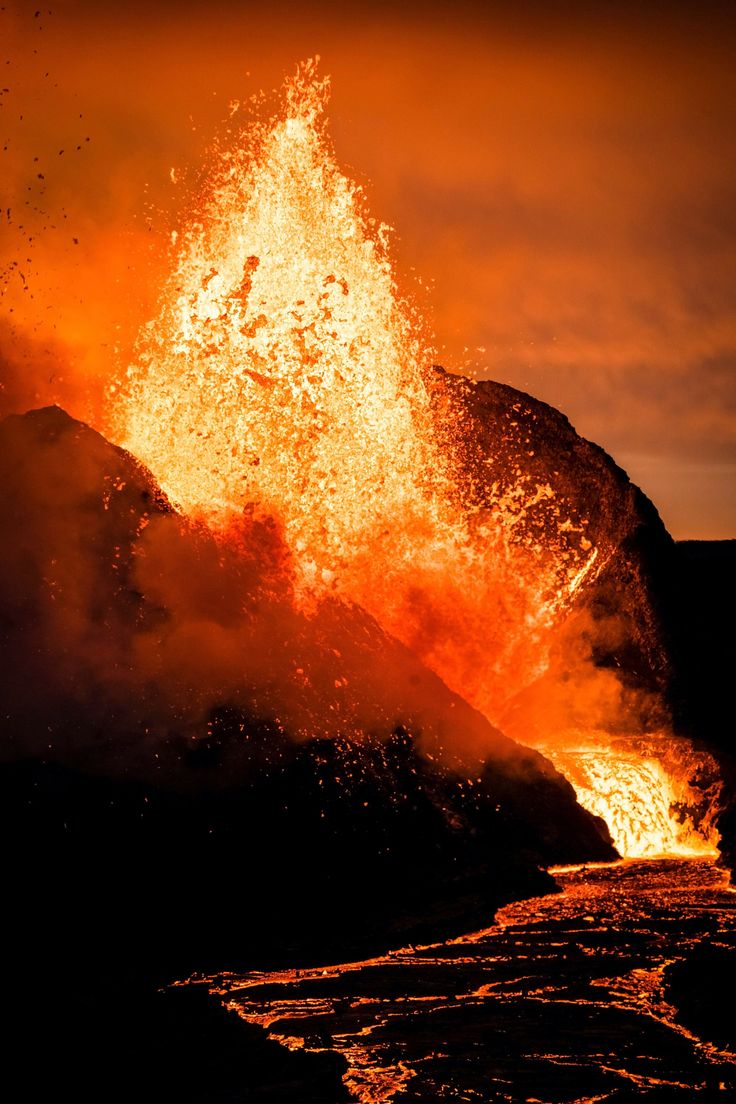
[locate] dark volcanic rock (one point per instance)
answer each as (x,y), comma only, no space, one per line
(703,616)
(701,988)
(71,511)
(506,435)
(663,613)
(674,602)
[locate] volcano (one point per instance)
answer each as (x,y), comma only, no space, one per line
(303,667)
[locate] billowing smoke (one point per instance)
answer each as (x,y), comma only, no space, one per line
(126,626)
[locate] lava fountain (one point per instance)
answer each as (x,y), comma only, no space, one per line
(285,377)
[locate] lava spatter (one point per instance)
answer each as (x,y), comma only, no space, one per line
(285,376)
(282,369)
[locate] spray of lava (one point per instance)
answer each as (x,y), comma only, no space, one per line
(285,377)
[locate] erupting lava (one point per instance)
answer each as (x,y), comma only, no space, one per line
(658,797)
(282,373)
(284,377)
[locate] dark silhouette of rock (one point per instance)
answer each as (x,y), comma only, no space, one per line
(701,988)
(501,435)
(168,812)
(702,616)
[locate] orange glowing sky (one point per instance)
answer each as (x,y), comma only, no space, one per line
(565,188)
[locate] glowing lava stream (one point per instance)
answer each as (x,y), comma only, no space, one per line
(652,809)
(584,970)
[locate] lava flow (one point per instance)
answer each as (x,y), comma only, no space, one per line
(564,999)
(657,796)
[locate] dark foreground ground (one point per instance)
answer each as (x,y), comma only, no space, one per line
(114,889)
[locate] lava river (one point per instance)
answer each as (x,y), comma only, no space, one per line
(562,1000)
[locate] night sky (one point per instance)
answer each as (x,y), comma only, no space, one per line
(563,183)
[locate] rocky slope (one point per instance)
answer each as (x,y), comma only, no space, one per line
(506,436)
(197,775)
(658,613)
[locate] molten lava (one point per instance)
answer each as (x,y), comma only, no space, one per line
(658,797)
(282,371)
(284,376)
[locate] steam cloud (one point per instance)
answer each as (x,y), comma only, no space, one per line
(126,625)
